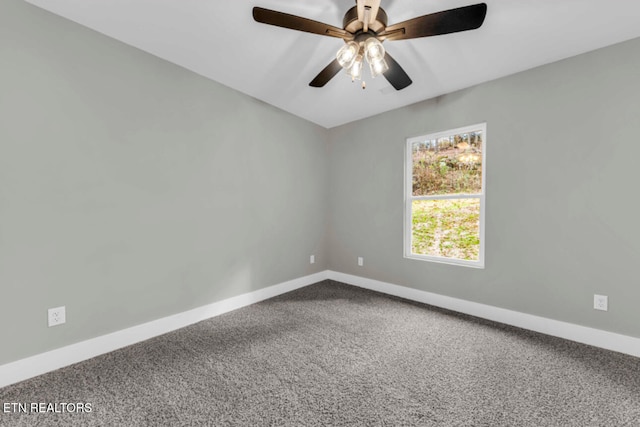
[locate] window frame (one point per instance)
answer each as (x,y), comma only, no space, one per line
(409,197)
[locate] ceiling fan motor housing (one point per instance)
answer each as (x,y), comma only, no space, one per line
(351,23)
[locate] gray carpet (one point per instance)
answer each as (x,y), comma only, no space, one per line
(332,354)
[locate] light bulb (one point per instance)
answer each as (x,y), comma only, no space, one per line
(378,67)
(373,49)
(356,68)
(347,54)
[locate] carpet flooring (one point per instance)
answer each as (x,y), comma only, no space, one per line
(333,355)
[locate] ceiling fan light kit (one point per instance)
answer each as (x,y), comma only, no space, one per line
(347,54)
(364,30)
(374,53)
(355,71)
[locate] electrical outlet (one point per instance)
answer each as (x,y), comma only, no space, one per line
(600,302)
(360,261)
(312,259)
(57,316)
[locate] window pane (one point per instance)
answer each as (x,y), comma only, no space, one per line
(446,228)
(450,165)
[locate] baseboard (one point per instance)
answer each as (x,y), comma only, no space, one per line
(23,369)
(582,334)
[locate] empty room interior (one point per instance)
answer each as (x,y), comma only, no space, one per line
(203,223)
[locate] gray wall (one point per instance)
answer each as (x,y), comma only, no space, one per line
(132,189)
(563,153)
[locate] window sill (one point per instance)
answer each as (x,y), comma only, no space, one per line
(450,261)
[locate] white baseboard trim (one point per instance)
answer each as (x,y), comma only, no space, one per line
(582,334)
(29,367)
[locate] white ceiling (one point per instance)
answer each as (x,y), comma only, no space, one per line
(219,39)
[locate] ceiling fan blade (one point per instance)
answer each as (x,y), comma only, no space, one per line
(293,22)
(398,78)
(445,22)
(327,74)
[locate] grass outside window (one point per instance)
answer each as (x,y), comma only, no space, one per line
(447,228)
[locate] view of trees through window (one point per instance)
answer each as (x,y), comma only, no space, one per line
(444,225)
(450,165)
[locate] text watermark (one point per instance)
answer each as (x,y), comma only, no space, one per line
(43,408)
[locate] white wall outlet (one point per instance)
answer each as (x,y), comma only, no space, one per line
(360,261)
(57,316)
(312,259)
(601,302)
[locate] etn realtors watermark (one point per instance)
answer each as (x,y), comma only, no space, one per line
(44,408)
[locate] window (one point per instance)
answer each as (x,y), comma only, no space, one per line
(444,196)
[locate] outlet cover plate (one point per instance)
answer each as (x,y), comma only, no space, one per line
(601,302)
(57,316)
(360,261)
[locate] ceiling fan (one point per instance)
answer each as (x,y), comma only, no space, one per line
(365,28)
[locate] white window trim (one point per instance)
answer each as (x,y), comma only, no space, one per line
(409,198)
